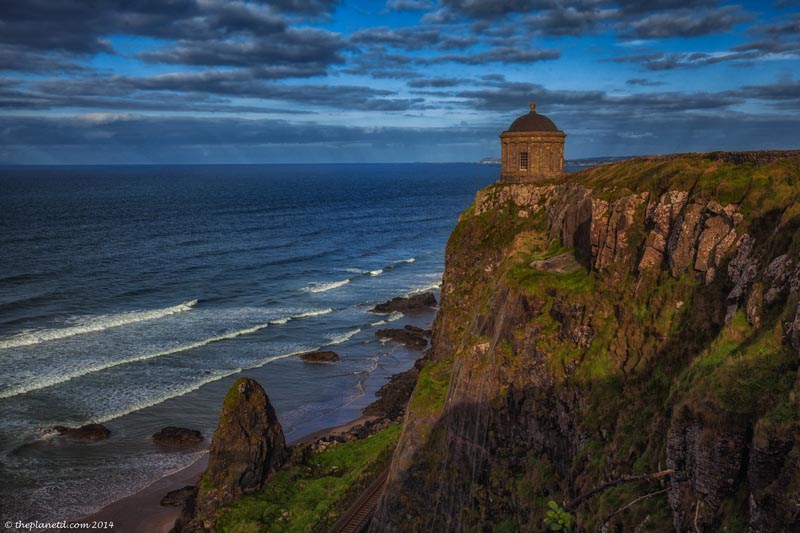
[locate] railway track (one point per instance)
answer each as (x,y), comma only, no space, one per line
(356,519)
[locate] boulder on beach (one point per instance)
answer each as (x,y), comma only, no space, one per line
(177,437)
(407,304)
(178,497)
(92,432)
(320,356)
(412,337)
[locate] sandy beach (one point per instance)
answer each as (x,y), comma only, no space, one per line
(142,512)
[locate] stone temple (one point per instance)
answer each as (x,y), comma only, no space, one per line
(532,149)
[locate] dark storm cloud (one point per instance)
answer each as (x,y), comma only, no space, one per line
(209,32)
(436,83)
(409,5)
(15,58)
(511,96)
(81,26)
(644,82)
(639,7)
(121,92)
(306,46)
(99,129)
(567,21)
(782,95)
(614,130)
(789,27)
(500,54)
(659,61)
(414,38)
(492,8)
(686,23)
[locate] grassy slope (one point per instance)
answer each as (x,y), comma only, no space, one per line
(310,497)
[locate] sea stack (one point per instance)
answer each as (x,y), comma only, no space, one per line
(248,445)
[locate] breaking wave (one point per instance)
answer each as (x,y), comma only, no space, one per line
(99,323)
(49,381)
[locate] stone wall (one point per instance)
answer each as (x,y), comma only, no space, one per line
(545,155)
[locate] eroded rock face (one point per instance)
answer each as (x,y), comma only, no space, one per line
(248,445)
(708,466)
(662,216)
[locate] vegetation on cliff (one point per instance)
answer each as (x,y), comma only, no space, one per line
(633,318)
(310,496)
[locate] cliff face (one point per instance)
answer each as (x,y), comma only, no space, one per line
(631,319)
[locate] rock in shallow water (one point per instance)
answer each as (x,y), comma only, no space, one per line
(412,337)
(177,437)
(320,356)
(92,432)
(411,304)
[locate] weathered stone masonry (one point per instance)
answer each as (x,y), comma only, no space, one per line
(532,149)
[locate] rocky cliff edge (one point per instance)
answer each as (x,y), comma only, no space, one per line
(633,319)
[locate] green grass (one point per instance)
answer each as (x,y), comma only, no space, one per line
(310,497)
(431,390)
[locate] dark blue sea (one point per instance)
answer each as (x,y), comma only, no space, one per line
(134,296)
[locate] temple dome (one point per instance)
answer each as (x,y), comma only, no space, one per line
(533,121)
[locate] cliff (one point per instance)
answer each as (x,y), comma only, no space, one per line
(632,319)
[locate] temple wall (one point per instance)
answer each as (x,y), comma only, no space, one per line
(545,155)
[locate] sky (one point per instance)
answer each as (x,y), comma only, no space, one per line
(335,81)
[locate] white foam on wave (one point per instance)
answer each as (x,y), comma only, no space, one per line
(324,287)
(49,381)
(344,337)
(214,376)
(376,272)
(424,288)
(409,260)
(394,315)
(92,325)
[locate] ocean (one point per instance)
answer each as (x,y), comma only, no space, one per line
(135,295)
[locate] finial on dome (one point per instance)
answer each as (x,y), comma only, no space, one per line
(533,107)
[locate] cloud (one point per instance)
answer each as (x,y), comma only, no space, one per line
(168,91)
(436,82)
(409,5)
(644,82)
(500,54)
(492,8)
(514,96)
(222,32)
(686,23)
(313,49)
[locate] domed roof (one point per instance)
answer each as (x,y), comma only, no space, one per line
(533,121)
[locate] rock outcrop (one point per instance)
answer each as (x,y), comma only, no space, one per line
(319,356)
(88,432)
(248,445)
(411,337)
(638,317)
(407,304)
(175,437)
